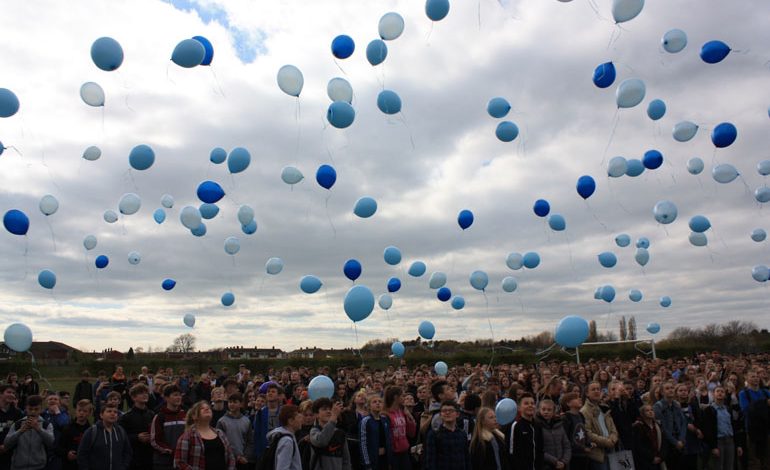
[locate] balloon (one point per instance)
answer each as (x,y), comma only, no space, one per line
(326,176)
(724,173)
(290,80)
(698,239)
(394,284)
(352,269)
(763,167)
(437,279)
(199,231)
(340,114)
(509,284)
(91,94)
(760,273)
(465,219)
(674,40)
(141,157)
(218,155)
(388,102)
(228,299)
(642,256)
(190,217)
(630,93)
(159,215)
(758,235)
(557,222)
(250,228)
(608,259)
(441,368)
(656,109)
(385,301)
(101,261)
(541,208)
(653,328)
(208,56)
(586,186)
(365,207)
(245,214)
(665,212)
(167,201)
(634,167)
(635,295)
(274,266)
(310,284)
(16,222)
(625,10)
(444,294)
(642,242)
(92,153)
(48,205)
(110,216)
(514,261)
(168,284)
(89,242)
(724,135)
(188,53)
(376,52)
(623,240)
(391,26)
(232,245)
(134,258)
(699,224)
(291,175)
(339,89)
(607,293)
(604,75)
(714,51)
(531,260)
(498,107)
(479,280)
(238,160)
(392,255)
(343,46)
(359,303)
(46,279)
(695,166)
(18,337)
(189,320)
(129,204)
(107,54)
(506,411)
(210,192)
(684,131)
(652,159)
(208,211)
(417,269)
(507,131)
(397,349)
(665,301)
(436,10)
(9,103)
(571,332)
(426,330)
(617,167)
(458,302)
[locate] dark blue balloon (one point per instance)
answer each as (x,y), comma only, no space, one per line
(724,135)
(210,192)
(101,261)
(541,208)
(107,54)
(714,51)
(652,159)
(343,46)
(326,176)
(168,284)
(394,284)
(465,219)
(16,222)
(352,269)
(209,55)
(586,186)
(444,294)
(656,109)
(604,75)
(437,10)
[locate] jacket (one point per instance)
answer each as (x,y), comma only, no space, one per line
(673,423)
(591,413)
(483,454)
(166,428)
(648,444)
(525,445)
(7,418)
(70,441)
(190,453)
(556,444)
(447,449)
(329,448)
(30,446)
(575,428)
(624,416)
(106,450)
(709,427)
(287,455)
(261,430)
(370,440)
(135,422)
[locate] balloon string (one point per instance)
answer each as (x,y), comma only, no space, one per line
(596,217)
(297,117)
(53,239)
(615,121)
(328,215)
(569,250)
(218,89)
(340,67)
(491,330)
(50,174)
(408,129)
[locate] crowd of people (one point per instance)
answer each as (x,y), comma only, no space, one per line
(709,411)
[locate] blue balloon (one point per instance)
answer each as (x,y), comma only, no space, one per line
(365,207)
(531,260)
(465,219)
(208,56)
(724,135)
(397,348)
(218,155)
(359,303)
(437,10)
(228,299)
(326,176)
(714,51)
(586,186)
(571,332)
(352,269)
(635,167)
(653,328)
(107,54)
(46,279)
(541,208)
(498,107)
(250,228)
(656,109)
(159,215)
(623,240)
(168,284)
(141,157)
(392,255)
(665,301)
(320,387)
(699,224)
(444,294)
(341,114)
(376,52)
(188,53)
(18,337)
(479,280)
(507,131)
(604,75)
(417,269)
(506,411)
(426,329)
(608,259)
(199,231)
(9,103)
(238,160)
(210,192)
(343,46)
(642,242)
(310,284)
(635,295)
(441,368)
(208,211)
(394,284)
(458,302)
(652,159)
(389,102)
(607,293)
(101,261)
(16,222)
(557,222)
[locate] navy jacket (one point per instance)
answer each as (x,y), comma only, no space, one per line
(370,440)
(106,450)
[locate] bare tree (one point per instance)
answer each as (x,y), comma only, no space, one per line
(623,329)
(593,335)
(183,343)
(632,328)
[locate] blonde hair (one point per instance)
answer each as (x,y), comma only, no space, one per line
(481,435)
(194,413)
(305,406)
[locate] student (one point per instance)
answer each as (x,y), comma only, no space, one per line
(719,434)
(72,435)
(599,425)
(56,415)
(166,428)
(266,419)
(329,449)
(375,437)
(303,435)
(287,455)
(673,425)
(402,427)
(575,428)
(471,407)
(557,450)
(84,390)
(105,445)
(218,403)
(9,414)
(350,421)
(525,441)
(648,441)
(487,448)
(447,447)
(137,422)
(202,447)
(237,428)
(30,438)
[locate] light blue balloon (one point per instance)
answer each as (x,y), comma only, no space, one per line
(695,166)
(507,131)
(188,53)
(159,215)
(141,157)
(365,207)
(509,284)
(208,211)
(698,239)
(340,114)
(291,175)
(238,160)
(46,279)
(635,295)
(200,230)
(389,102)
(228,299)
(623,240)
(498,107)
(376,52)
(385,301)
(9,103)
(218,155)
(653,328)
(514,261)
(250,228)
(760,273)
(441,368)
(398,349)
(310,284)
(557,222)
(699,224)
(762,194)
(392,255)
(18,337)
(656,109)
(417,269)
(426,330)
(608,293)
(630,93)
(437,10)
(506,411)
(107,54)
(642,256)
(607,259)
(724,173)
(642,242)
(437,280)
(458,302)
(634,167)
(531,260)
(665,212)
(684,131)
(665,301)
(274,266)
(479,280)
(189,320)
(359,303)
(571,332)
(320,387)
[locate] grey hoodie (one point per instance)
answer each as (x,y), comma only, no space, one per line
(29,446)
(239,433)
(556,444)
(287,455)
(321,441)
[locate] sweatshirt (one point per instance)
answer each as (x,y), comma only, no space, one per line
(401,430)
(108,450)
(238,432)
(329,448)
(166,428)
(29,447)
(287,454)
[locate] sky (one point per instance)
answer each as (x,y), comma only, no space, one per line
(424,165)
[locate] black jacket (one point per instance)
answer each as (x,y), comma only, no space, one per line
(643,448)
(624,416)
(135,422)
(524,443)
(104,450)
(70,440)
(483,455)
(84,390)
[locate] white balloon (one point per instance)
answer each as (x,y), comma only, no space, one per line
(630,93)
(684,131)
(190,217)
(92,153)
(763,167)
(695,166)
(385,301)
(665,212)
(642,256)
(437,279)
(698,239)
(724,173)
(515,261)
(89,242)
(674,40)
(290,80)
(245,214)
(134,257)
(49,205)
(617,167)
(339,89)
(167,201)
(232,245)
(110,216)
(625,10)
(92,94)
(391,26)
(129,204)
(762,194)
(291,175)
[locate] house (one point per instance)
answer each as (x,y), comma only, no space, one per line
(304,353)
(239,352)
(43,351)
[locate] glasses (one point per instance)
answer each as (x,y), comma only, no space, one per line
(448,410)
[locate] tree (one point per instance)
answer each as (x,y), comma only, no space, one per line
(593,335)
(130,354)
(623,328)
(632,328)
(183,343)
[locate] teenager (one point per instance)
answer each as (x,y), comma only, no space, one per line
(557,450)
(166,428)
(202,447)
(487,448)
(105,445)
(137,422)
(402,428)
(575,428)
(375,437)
(266,419)
(599,425)
(525,440)
(447,447)
(721,437)
(72,435)
(30,438)
(648,441)
(287,456)
(237,428)
(329,449)
(9,414)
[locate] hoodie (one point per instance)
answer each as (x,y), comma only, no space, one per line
(106,450)
(29,446)
(330,448)
(238,432)
(166,428)
(556,444)
(287,455)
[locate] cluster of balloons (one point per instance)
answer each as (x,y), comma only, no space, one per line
(498,108)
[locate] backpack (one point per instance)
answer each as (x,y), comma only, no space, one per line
(758,414)
(95,432)
(268,458)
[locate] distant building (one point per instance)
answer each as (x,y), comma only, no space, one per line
(50,352)
(239,352)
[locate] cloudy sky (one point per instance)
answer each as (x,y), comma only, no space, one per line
(424,165)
